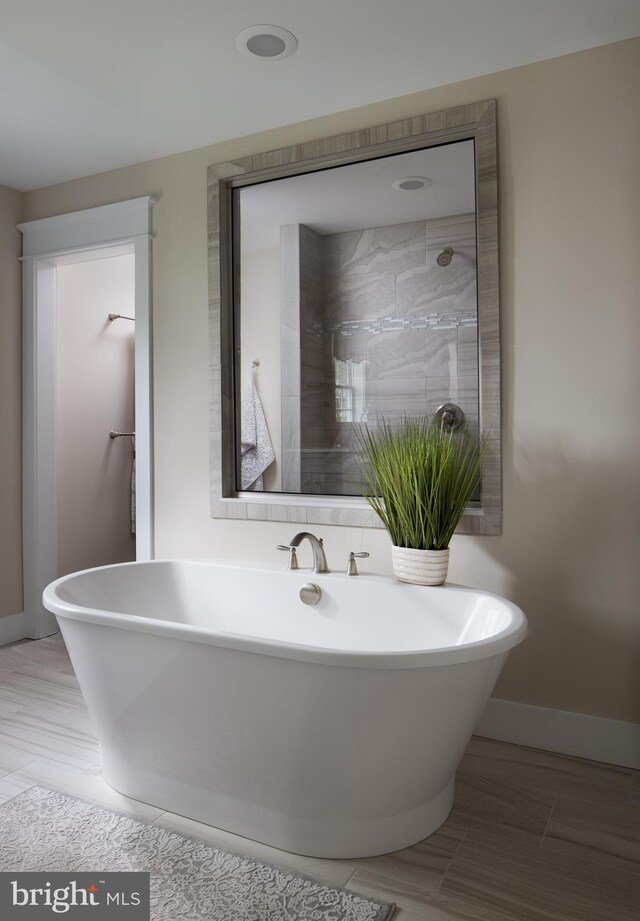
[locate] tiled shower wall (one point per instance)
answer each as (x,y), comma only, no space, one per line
(379,296)
(303,374)
(413,321)
(313,372)
(376,296)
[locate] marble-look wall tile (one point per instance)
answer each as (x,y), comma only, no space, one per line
(331,255)
(460,390)
(339,484)
(289,361)
(311,270)
(468,351)
(314,433)
(412,353)
(312,484)
(315,459)
(384,299)
(396,397)
(443,289)
(438,289)
(289,273)
(393,248)
(442,352)
(329,484)
(290,312)
(336,460)
(290,459)
(361,297)
(312,404)
(290,357)
(397,355)
(349,348)
(312,362)
(312,344)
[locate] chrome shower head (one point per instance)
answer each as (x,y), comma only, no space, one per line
(445,256)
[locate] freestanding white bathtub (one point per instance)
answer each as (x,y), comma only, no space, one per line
(332,731)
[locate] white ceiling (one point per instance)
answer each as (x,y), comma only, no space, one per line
(360,195)
(91,85)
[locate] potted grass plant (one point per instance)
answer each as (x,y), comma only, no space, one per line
(418,477)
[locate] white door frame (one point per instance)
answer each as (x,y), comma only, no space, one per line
(47,243)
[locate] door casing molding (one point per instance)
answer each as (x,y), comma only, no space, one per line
(47,243)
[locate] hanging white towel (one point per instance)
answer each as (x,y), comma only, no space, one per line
(256,449)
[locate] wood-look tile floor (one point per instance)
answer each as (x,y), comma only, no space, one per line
(532,836)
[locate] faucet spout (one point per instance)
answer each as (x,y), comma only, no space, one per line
(319,556)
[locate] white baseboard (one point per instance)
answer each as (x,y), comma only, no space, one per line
(13,627)
(593,737)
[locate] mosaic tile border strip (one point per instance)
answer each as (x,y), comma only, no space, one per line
(389,324)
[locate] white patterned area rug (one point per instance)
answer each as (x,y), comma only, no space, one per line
(190,879)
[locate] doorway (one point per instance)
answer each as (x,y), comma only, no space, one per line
(95,405)
(70,264)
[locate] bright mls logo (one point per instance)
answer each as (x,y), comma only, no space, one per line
(109,896)
(59,900)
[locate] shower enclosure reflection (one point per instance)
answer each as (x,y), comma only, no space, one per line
(355,288)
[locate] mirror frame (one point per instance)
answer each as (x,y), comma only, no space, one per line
(477,121)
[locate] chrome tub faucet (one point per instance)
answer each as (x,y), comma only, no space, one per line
(319,557)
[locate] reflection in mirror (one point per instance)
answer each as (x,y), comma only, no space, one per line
(355,299)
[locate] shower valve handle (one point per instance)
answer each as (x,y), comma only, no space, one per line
(449,416)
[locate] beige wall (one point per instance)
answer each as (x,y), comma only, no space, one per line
(570,270)
(94,394)
(11,205)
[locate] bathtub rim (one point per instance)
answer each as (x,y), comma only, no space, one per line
(495,645)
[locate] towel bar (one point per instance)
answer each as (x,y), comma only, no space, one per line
(113,434)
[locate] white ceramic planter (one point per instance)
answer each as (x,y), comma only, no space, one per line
(421,567)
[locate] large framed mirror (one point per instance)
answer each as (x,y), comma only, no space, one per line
(352,280)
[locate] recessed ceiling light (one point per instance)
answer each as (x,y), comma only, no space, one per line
(412,183)
(266,42)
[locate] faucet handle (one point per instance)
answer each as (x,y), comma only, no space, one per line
(352,567)
(293,556)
